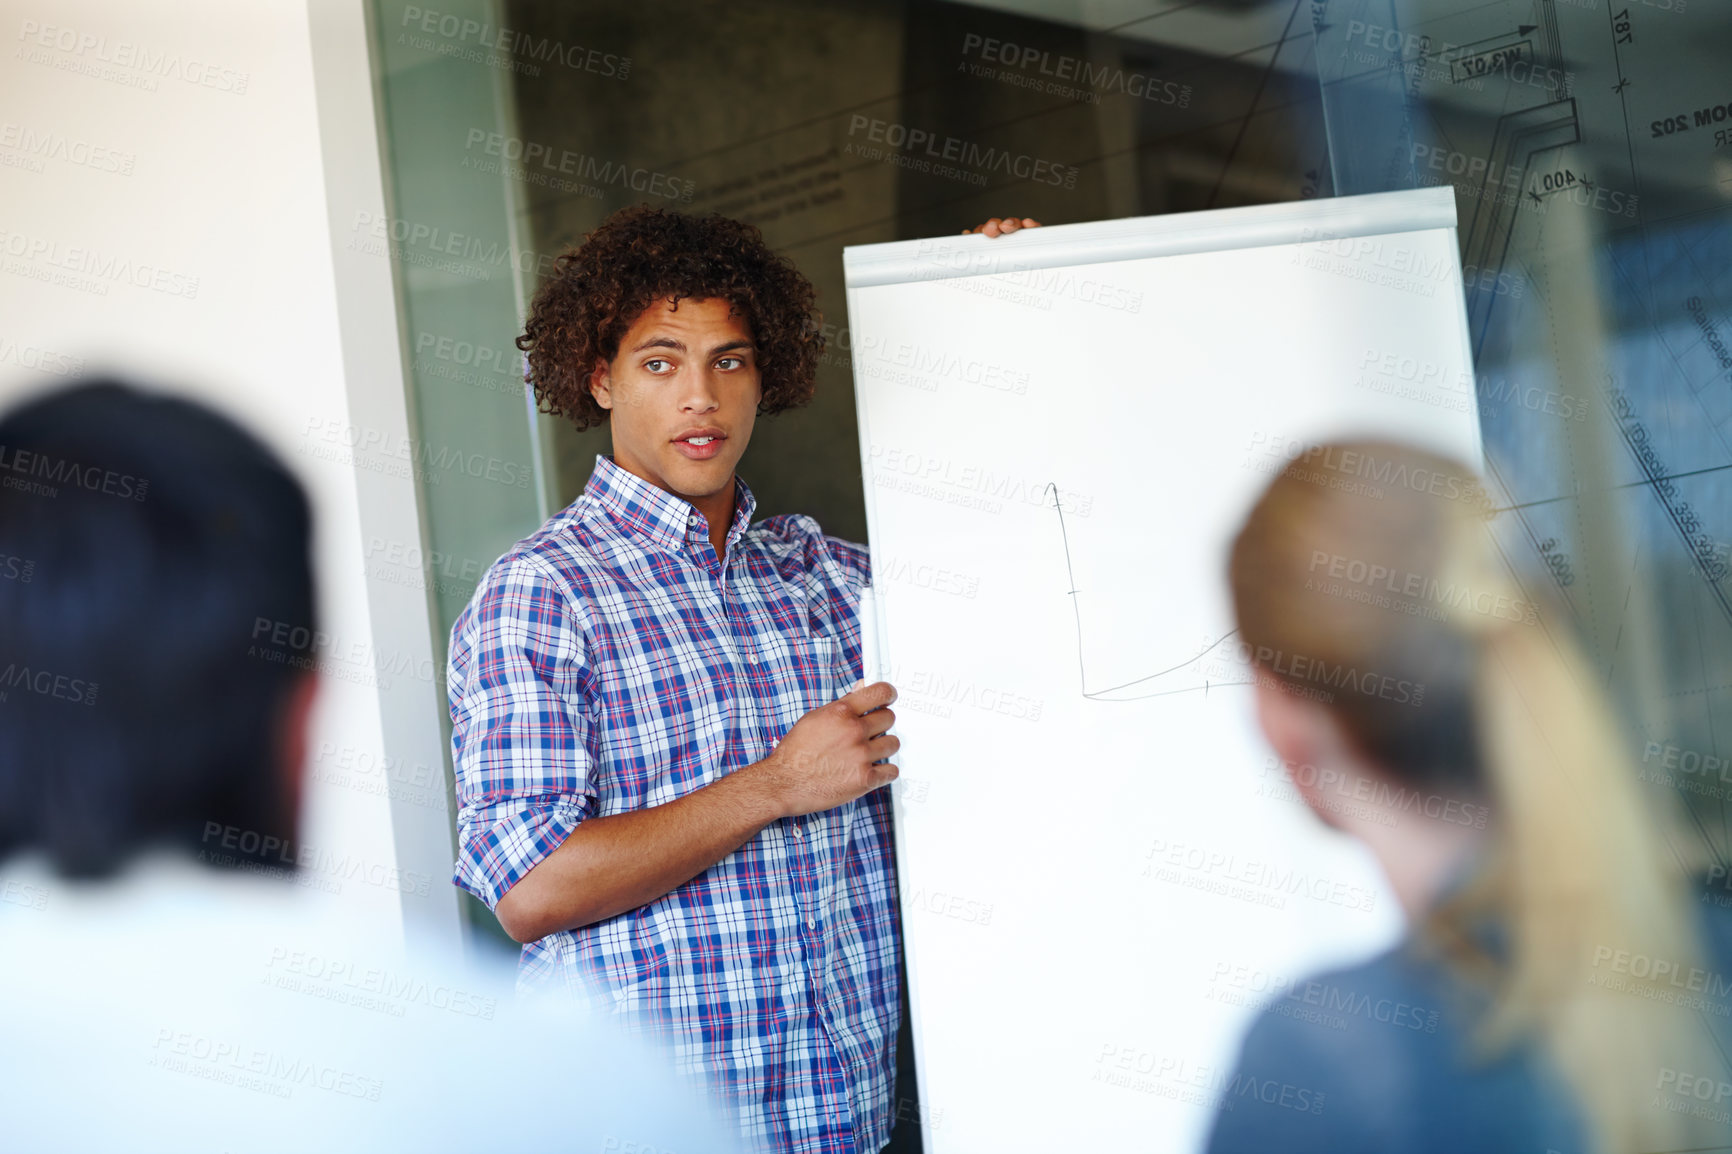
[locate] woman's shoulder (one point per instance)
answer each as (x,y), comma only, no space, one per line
(1382,1054)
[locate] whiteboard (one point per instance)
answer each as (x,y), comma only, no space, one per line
(1102,873)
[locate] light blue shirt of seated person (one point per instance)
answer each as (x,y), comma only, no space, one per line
(184,1009)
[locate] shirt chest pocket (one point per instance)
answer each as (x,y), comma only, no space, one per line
(800,674)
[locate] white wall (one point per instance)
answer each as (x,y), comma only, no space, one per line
(162,166)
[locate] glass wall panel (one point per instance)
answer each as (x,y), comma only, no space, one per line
(1587,143)
(449,231)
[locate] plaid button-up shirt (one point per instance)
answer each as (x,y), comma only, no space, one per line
(612,662)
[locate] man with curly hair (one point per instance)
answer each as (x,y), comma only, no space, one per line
(667,790)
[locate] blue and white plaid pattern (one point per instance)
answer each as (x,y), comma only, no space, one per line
(609,663)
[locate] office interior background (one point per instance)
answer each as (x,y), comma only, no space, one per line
(328,218)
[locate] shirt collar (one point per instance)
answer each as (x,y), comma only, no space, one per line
(669,522)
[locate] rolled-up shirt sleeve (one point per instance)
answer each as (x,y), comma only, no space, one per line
(524,722)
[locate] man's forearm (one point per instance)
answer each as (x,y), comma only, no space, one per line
(613,864)
(832,755)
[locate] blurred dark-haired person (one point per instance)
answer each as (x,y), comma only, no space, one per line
(155,533)
(166,982)
(1503,807)
(666,785)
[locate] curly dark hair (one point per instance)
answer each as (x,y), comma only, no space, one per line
(642,254)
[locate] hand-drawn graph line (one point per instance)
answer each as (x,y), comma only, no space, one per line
(1082,665)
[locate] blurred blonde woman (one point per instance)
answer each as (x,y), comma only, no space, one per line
(1563,975)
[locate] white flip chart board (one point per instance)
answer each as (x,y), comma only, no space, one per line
(1102,872)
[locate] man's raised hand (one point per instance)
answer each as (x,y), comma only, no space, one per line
(1003,225)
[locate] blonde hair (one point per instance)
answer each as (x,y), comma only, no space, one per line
(1579,867)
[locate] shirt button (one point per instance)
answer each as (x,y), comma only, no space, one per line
(811,923)
(798,832)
